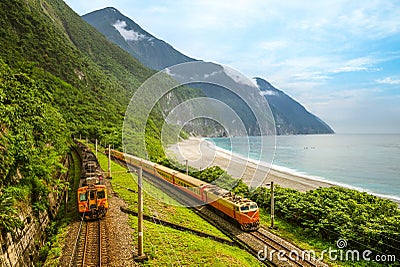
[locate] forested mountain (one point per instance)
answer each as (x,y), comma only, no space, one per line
(59,77)
(89,79)
(291,117)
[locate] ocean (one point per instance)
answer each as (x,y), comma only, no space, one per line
(366,162)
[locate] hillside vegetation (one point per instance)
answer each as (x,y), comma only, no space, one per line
(94,78)
(319,218)
(59,77)
(33,141)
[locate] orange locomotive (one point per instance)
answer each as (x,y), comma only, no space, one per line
(243,211)
(92,201)
(92,192)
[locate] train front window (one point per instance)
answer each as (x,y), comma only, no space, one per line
(244,208)
(253,206)
(101,194)
(82,197)
(92,195)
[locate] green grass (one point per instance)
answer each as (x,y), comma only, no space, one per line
(172,247)
(293,233)
(307,241)
(166,246)
(59,229)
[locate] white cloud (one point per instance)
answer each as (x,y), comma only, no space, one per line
(313,72)
(360,110)
(269,93)
(372,20)
(389,80)
(273,45)
(223,14)
(129,35)
(356,64)
(207,75)
(311,76)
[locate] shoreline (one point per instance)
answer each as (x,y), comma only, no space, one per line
(202,153)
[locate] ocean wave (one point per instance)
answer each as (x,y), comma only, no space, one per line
(296,173)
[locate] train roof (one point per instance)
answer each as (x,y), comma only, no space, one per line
(137,158)
(91,186)
(191,180)
(228,196)
(212,188)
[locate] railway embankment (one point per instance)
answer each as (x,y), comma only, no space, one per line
(166,246)
(22,247)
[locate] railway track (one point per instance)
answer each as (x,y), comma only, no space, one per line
(283,253)
(254,242)
(91,248)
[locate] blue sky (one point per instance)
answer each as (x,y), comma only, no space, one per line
(340,59)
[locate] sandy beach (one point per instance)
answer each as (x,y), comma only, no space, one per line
(201,154)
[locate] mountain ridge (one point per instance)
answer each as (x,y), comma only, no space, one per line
(290,116)
(127,36)
(89,79)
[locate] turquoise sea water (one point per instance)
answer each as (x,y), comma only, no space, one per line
(368,162)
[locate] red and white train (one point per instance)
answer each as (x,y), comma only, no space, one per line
(241,210)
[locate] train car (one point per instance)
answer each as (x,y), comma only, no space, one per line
(92,193)
(91,172)
(92,201)
(190,185)
(242,211)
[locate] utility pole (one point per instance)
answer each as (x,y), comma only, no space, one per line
(272,205)
(140,213)
(96,147)
(109,162)
(187,167)
(66,200)
(141,256)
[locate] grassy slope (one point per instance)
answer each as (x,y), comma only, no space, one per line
(58,231)
(166,246)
